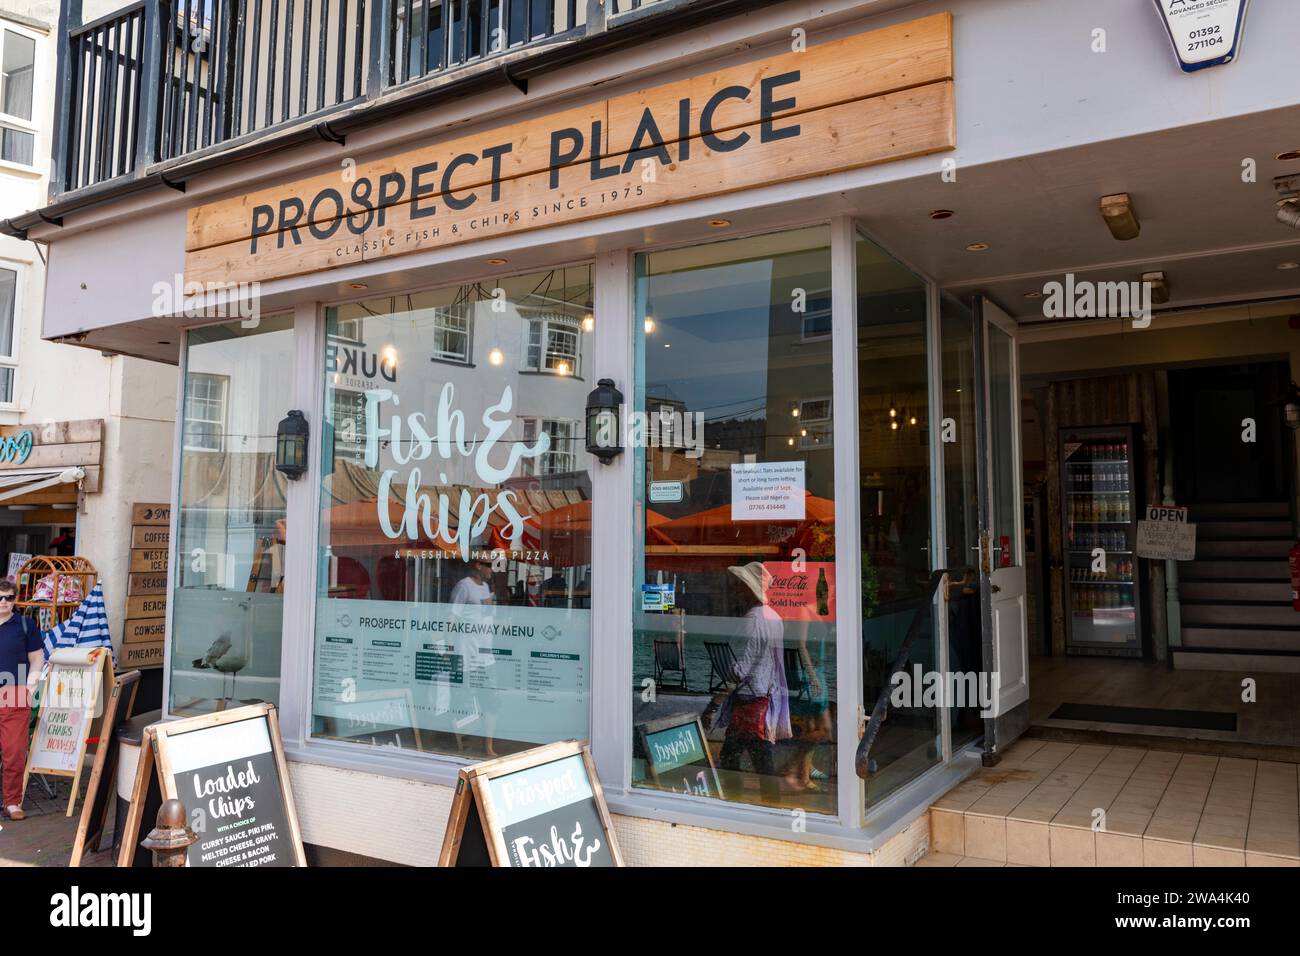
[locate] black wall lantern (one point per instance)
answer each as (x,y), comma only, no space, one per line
(604,429)
(291,445)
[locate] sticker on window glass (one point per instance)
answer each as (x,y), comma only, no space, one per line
(665,491)
(767,491)
(658,597)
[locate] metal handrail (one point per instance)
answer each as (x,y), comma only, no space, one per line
(862,761)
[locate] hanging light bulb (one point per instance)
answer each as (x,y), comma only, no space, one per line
(795,411)
(803,433)
(893,426)
(389,355)
(562,368)
(893,412)
(913,420)
(649,317)
(588,322)
(496,356)
(789,441)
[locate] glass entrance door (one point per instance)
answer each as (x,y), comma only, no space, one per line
(1001,544)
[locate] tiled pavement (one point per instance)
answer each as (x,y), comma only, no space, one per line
(45,837)
(1064,804)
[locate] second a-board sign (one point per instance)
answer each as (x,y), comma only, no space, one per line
(229,771)
(119,702)
(72,696)
(676,755)
(146,585)
(542,807)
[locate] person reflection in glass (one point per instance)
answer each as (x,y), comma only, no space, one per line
(471,601)
(760,704)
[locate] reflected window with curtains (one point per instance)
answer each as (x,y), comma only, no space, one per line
(894,488)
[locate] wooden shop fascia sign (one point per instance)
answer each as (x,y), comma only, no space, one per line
(865,99)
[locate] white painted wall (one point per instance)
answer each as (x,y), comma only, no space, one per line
(57,382)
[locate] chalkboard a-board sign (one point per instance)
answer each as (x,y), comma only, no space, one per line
(677,755)
(540,808)
(228,769)
(100,791)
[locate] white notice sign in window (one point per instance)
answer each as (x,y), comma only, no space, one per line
(767,491)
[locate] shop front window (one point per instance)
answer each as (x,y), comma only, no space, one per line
(894,489)
(454,565)
(229,552)
(735,610)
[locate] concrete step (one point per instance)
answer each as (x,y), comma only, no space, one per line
(1233,592)
(1262,548)
(1238,639)
(1247,663)
(1237,510)
(1237,615)
(1271,570)
(1264,528)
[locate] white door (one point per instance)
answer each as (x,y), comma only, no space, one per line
(1002,533)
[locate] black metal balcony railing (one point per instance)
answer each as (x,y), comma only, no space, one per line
(162,79)
(104,63)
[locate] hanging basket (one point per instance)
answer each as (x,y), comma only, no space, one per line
(51,588)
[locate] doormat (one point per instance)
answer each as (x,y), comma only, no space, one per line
(1150,716)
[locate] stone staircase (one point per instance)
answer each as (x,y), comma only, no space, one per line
(1236,595)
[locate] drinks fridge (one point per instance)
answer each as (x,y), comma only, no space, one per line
(1103,586)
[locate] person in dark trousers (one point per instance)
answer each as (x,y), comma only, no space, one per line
(21,658)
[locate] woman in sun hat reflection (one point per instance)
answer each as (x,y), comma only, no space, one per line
(760,705)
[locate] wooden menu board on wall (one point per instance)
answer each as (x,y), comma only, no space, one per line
(146,586)
(540,808)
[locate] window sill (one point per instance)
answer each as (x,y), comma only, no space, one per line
(456,362)
(884,821)
(533,371)
(20,169)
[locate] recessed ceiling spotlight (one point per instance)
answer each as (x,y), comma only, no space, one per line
(357,285)
(497,261)
(1289,155)
(941,214)
(1288,266)
(977,247)
(1035,294)
(719,223)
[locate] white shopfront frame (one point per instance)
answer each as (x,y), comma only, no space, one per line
(614,499)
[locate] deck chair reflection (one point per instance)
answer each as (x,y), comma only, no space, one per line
(669,658)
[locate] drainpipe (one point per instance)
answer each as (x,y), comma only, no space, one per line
(1173,610)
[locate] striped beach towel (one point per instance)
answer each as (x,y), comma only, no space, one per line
(88,627)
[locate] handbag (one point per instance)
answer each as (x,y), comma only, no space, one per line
(748,717)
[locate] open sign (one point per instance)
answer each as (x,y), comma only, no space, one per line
(1160,513)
